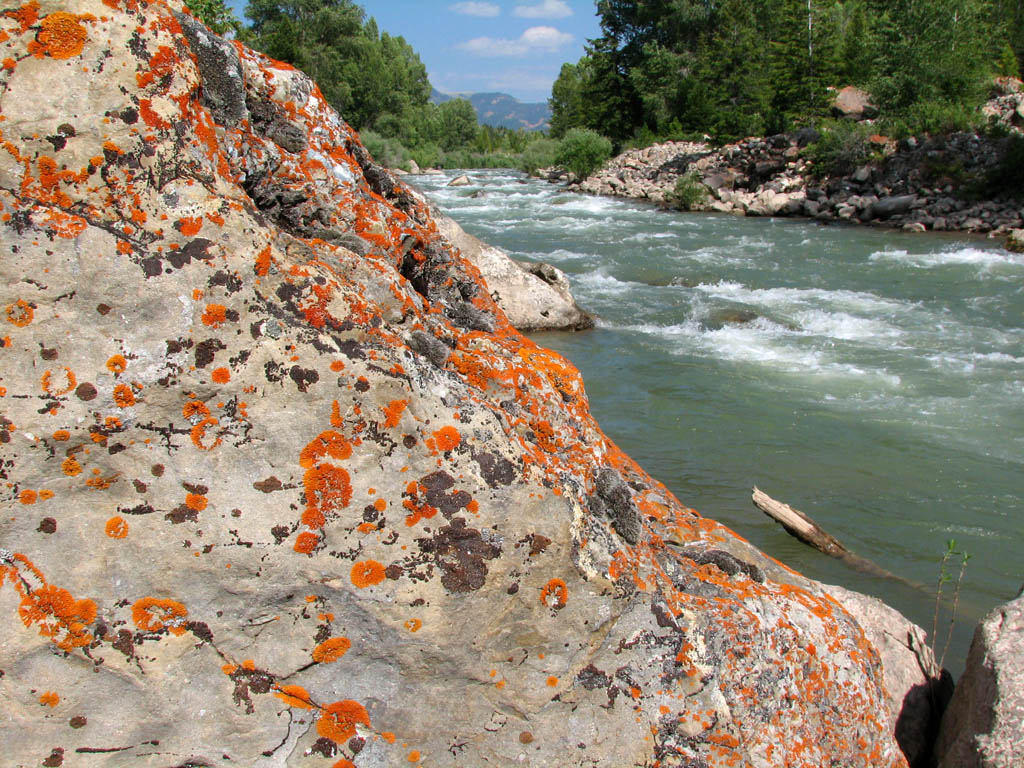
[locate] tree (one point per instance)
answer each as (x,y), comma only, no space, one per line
(583,151)
(214,14)
(457,123)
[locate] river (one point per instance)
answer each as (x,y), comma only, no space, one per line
(871,378)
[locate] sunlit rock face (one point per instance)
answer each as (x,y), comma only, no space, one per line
(283,487)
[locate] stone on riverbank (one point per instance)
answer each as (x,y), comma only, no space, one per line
(284,487)
(984,724)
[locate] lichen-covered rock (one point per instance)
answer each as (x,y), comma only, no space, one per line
(984,724)
(284,487)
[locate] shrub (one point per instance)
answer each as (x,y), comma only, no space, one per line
(539,153)
(1006,176)
(689,192)
(583,151)
(843,147)
(388,152)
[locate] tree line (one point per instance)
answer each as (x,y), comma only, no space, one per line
(734,68)
(375,81)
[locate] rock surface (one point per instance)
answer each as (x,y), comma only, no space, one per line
(984,724)
(283,487)
(852,103)
(534,297)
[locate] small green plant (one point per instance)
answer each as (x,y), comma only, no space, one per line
(946,577)
(842,148)
(583,151)
(689,192)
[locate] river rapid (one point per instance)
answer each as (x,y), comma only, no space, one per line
(871,378)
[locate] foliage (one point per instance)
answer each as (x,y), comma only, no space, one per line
(1006,176)
(945,577)
(689,192)
(538,154)
(214,14)
(841,149)
(583,151)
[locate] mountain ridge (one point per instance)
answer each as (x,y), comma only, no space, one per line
(501,109)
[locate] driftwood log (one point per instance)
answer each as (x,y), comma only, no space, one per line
(802,527)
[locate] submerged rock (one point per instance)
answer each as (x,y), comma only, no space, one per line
(285,487)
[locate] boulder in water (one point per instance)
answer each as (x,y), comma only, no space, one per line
(460,181)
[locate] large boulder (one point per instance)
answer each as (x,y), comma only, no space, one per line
(852,103)
(984,724)
(284,487)
(534,297)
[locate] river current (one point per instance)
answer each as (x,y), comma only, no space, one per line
(871,378)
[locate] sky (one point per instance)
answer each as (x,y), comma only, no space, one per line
(513,46)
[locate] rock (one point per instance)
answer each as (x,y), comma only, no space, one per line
(414,167)
(270,500)
(916,698)
(862,174)
(853,104)
(1015,240)
(984,724)
(460,181)
(433,172)
(915,226)
(888,207)
(1006,86)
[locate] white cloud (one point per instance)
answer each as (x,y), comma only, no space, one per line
(473,8)
(533,40)
(546,9)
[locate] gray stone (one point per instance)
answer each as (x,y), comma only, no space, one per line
(853,104)
(460,181)
(1015,240)
(887,207)
(984,724)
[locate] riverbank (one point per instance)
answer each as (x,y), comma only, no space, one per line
(915,185)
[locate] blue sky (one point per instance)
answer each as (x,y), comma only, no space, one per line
(512,46)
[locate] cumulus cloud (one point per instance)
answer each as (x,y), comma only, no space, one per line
(473,8)
(546,9)
(533,40)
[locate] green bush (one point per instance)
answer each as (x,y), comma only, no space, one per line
(539,153)
(842,148)
(388,152)
(940,118)
(689,192)
(1006,177)
(583,151)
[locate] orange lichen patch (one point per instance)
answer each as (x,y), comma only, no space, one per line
(414,625)
(388,736)
(117,365)
(393,412)
(331,650)
(221,375)
(196,502)
(116,527)
(413,757)
(61,36)
(306,542)
(343,763)
(59,616)
(328,443)
(199,435)
(20,313)
(28,496)
(337,366)
(328,490)
(294,696)
(263,262)
(554,594)
(71,467)
(338,721)
(124,397)
(195,408)
(26,15)
(447,438)
(380,505)
(189,226)
(552,681)
(214,315)
(45,495)
(49,699)
(366,573)
(152,614)
(55,389)
(9,64)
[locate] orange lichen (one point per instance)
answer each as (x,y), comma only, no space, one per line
(26,15)
(124,397)
(343,763)
(447,438)
(554,594)
(328,489)
(338,721)
(366,573)
(117,365)
(71,467)
(331,650)
(196,502)
(552,681)
(414,625)
(70,382)
(61,36)
(49,699)
(393,412)
(328,443)
(116,527)
(45,495)
(414,756)
(152,614)
(198,435)
(189,226)
(306,542)
(59,616)
(20,313)
(28,496)
(214,315)
(195,408)
(263,262)
(221,375)
(294,696)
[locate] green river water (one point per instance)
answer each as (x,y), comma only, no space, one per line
(876,383)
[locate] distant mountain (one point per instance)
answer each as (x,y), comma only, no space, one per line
(500,109)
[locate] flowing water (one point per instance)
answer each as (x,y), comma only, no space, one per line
(870,378)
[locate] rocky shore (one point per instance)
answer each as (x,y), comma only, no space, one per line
(914,185)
